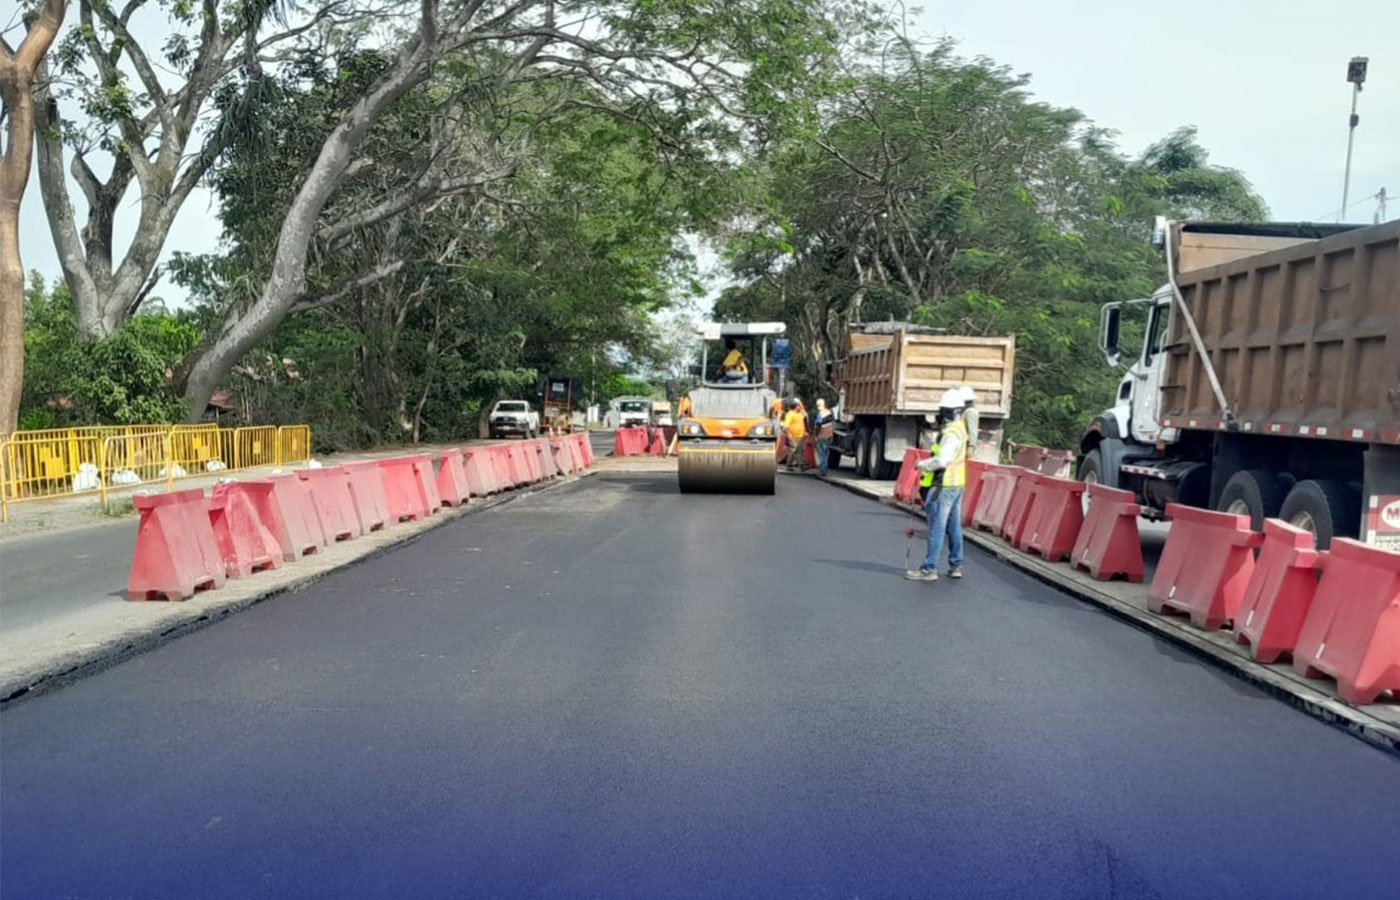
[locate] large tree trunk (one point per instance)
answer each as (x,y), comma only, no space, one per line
(288,279)
(17,70)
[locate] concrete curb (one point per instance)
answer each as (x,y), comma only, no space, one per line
(1217,648)
(69,666)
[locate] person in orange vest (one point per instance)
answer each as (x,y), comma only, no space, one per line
(795,427)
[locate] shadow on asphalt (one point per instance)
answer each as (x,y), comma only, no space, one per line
(647,484)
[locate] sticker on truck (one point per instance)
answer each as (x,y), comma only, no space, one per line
(1383,522)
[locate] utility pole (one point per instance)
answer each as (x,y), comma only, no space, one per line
(1356,76)
(1380,209)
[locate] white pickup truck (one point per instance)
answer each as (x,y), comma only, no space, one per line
(514,417)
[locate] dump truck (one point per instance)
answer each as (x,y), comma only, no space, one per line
(1268,380)
(726,439)
(890,378)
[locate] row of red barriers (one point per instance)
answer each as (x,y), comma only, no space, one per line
(1335,613)
(187,541)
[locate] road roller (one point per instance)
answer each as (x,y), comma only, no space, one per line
(726,438)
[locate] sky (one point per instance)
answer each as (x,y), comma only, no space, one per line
(1264,82)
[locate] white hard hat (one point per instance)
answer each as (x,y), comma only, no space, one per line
(968,394)
(951,399)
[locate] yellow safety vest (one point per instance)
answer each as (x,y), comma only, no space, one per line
(955,475)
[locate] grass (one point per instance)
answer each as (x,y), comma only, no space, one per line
(118,507)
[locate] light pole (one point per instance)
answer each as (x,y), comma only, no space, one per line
(1356,76)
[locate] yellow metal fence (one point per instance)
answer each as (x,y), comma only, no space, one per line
(64,462)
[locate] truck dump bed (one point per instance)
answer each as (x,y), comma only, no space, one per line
(1305,340)
(904,372)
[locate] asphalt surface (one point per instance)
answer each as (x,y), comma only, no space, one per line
(46,575)
(609,689)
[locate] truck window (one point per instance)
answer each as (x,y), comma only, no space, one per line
(633,406)
(1157,334)
(510,407)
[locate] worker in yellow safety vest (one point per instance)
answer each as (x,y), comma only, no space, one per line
(946,475)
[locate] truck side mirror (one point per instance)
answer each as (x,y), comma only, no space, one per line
(1109,328)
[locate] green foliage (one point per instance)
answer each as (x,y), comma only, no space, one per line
(124,379)
(938,192)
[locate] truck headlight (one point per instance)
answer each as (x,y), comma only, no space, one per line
(765,430)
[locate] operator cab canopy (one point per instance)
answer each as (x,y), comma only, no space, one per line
(719,363)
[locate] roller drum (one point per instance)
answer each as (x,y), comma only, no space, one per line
(721,468)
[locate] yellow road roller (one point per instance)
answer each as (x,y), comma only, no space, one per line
(726,437)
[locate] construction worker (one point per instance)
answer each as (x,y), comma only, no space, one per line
(824,426)
(775,409)
(943,504)
(733,369)
(795,427)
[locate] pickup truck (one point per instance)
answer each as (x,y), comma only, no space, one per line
(514,417)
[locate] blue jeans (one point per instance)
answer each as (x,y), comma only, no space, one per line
(823,447)
(944,517)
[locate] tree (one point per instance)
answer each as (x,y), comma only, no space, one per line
(18,68)
(139,111)
(681,70)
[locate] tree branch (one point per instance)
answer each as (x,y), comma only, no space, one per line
(344,288)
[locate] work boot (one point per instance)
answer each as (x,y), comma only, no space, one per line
(921,575)
(955,571)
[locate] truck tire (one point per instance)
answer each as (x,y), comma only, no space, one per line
(861,445)
(1253,492)
(1326,508)
(881,469)
(1091,467)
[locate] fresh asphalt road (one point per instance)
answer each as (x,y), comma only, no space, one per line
(609,689)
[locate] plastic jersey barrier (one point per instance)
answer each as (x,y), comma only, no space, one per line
(563,456)
(1018,510)
(520,469)
(998,486)
(301,531)
(452,479)
(366,482)
(973,491)
(245,542)
(176,551)
(545,451)
(1352,630)
(1108,545)
(906,486)
(330,496)
(427,480)
(1279,593)
(402,489)
(481,475)
(1205,565)
(500,464)
(585,449)
(1055,518)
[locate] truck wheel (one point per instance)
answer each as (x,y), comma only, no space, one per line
(880,468)
(1090,472)
(861,443)
(1252,492)
(1326,508)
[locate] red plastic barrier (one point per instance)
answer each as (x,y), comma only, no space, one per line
(452,479)
(809,452)
(1352,630)
(533,464)
(295,522)
(402,489)
(366,483)
(1018,510)
(1279,593)
(481,475)
(973,491)
(520,464)
(1205,565)
(585,449)
(500,465)
(244,539)
(1055,463)
(330,496)
(658,444)
(427,479)
(1056,515)
(545,452)
(176,552)
(563,453)
(621,443)
(906,485)
(1108,545)
(998,487)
